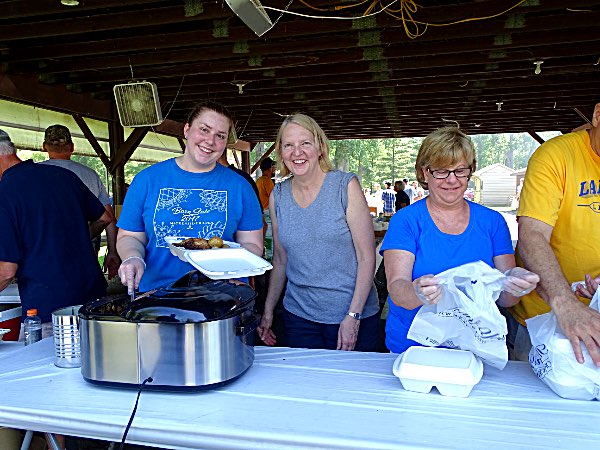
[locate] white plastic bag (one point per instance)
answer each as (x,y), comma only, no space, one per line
(553,361)
(466,317)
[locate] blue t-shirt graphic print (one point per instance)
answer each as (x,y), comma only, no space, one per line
(189,213)
(165,200)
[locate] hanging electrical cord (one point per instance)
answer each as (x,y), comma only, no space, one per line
(175,99)
(147,380)
(335,8)
(406,10)
(293,13)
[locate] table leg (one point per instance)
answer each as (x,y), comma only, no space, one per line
(52,442)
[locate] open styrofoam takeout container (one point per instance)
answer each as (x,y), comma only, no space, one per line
(454,372)
(221,263)
(3,331)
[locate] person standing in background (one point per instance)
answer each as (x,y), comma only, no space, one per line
(408,190)
(418,192)
(265,182)
(375,200)
(402,200)
(59,145)
(388,196)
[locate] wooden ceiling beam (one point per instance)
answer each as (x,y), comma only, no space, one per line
(214,53)
(14,9)
(499,88)
(72,23)
(391,59)
(343,38)
(26,89)
(416,79)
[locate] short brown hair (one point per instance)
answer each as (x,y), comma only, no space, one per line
(442,148)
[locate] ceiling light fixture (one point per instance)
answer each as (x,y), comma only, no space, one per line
(538,68)
(252,14)
(69,2)
(499,105)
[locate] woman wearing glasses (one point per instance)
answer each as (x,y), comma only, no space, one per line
(442,232)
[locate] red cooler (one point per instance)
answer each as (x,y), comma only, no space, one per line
(10,318)
(10,312)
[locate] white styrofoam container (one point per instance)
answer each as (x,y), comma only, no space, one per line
(10,294)
(454,372)
(221,263)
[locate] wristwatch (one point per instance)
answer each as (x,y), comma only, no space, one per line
(354,315)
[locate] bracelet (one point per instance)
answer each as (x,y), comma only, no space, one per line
(135,257)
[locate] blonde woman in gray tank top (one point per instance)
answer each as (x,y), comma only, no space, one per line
(324,248)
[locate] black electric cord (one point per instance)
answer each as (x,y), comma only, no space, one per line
(147,380)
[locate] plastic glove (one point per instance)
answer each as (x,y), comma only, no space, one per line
(519,281)
(428,289)
(131,272)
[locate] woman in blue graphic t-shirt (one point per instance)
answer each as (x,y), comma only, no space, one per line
(441,232)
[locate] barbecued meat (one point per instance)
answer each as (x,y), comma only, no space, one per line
(193,244)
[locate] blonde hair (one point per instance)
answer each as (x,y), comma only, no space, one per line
(321,142)
(442,148)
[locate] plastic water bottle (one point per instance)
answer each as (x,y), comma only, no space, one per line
(32,327)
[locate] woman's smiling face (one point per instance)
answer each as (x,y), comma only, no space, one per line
(299,150)
(206,139)
(451,189)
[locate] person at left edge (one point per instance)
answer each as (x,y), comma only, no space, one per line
(47,216)
(187,196)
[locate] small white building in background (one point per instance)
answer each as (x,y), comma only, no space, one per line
(498,185)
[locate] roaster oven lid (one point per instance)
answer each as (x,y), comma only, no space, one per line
(194,298)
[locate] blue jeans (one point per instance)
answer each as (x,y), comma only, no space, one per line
(302,333)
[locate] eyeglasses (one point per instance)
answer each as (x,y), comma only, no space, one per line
(461,172)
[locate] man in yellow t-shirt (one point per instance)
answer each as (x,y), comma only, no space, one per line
(559,238)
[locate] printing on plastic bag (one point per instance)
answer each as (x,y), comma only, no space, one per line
(553,361)
(466,317)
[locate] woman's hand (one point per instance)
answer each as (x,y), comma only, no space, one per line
(131,272)
(265,332)
(519,281)
(348,333)
(428,289)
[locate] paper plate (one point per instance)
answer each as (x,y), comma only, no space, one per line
(221,263)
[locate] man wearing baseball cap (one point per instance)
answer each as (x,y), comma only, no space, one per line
(59,145)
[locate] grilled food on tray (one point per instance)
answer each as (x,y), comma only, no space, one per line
(201,244)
